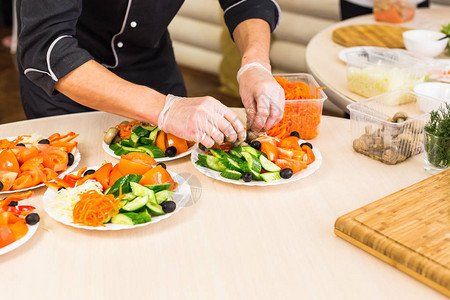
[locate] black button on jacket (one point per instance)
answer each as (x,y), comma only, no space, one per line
(129,37)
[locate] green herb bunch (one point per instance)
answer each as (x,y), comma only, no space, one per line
(446,29)
(437,143)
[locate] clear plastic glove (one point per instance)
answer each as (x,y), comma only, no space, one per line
(202,119)
(262,96)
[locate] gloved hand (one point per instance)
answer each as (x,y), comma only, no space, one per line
(262,96)
(202,119)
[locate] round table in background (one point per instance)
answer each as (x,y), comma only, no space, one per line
(322,53)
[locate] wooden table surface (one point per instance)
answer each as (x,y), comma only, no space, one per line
(322,53)
(230,242)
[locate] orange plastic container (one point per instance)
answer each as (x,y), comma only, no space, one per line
(303,115)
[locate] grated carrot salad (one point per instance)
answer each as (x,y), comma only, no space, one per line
(125,129)
(94,208)
(303,117)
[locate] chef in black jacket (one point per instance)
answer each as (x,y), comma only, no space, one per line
(117,56)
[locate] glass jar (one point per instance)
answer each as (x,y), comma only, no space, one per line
(437,153)
(394,11)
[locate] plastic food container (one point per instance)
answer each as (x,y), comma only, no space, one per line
(389,127)
(303,115)
(372,72)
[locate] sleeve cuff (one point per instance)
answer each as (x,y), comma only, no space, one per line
(267,10)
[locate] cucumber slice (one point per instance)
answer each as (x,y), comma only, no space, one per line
(131,149)
(131,218)
(237,151)
(212,162)
(251,150)
(141,131)
(123,203)
(126,143)
(232,164)
(151,150)
(136,204)
(149,128)
(121,151)
(164,196)
(154,208)
(153,135)
(134,139)
(268,165)
(253,163)
(218,152)
(129,196)
(159,187)
(267,177)
(145,140)
(139,190)
(122,219)
(115,146)
(199,163)
(231,174)
(123,182)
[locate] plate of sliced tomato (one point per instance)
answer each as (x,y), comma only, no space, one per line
(290,152)
(14,230)
(133,164)
(29,165)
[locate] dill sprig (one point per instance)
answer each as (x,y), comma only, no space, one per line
(437,144)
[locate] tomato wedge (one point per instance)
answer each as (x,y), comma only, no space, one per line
(102,175)
(7,217)
(127,167)
(54,158)
(32,163)
(177,142)
(7,178)
(8,161)
(115,174)
(24,153)
(310,153)
(157,175)
(139,157)
(19,229)
(291,142)
(293,164)
(161,141)
(6,236)
(270,150)
(29,178)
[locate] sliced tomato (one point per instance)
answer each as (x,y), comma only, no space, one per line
(32,163)
(293,164)
(19,229)
(310,153)
(127,167)
(6,236)
(115,174)
(29,178)
(291,142)
(102,175)
(268,139)
(177,142)
(24,153)
(157,175)
(139,157)
(8,161)
(49,173)
(161,141)
(54,158)
(7,217)
(7,178)
(285,153)
(270,150)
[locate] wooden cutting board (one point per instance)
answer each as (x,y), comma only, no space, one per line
(409,229)
(388,36)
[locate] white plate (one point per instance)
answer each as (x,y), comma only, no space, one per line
(31,230)
(162,159)
(181,197)
(76,161)
(297,176)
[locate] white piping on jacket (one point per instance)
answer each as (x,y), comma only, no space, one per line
(49,52)
(116,35)
(274,2)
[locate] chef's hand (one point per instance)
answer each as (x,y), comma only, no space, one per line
(202,119)
(262,96)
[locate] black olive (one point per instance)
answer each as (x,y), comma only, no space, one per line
(32,218)
(61,188)
(171,151)
(20,145)
(168,206)
(286,173)
(307,144)
(256,145)
(13,203)
(247,176)
(162,165)
(1,185)
(89,172)
(295,133)
(44,141)
(71,159)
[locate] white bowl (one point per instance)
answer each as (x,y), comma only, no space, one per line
(438,90)
(425,42)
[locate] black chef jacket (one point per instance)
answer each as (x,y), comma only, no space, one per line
(129,37)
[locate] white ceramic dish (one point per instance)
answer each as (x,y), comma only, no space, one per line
(425,42)
(162,159)
(31,230)
(299,175)
(438,90)
(181,197)
(76,161)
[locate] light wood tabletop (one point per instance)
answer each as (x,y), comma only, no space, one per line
(322,53)
(229,242)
